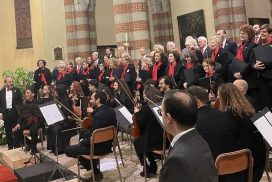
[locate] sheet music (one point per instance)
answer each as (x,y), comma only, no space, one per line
(264,125)
(126,114)
(51,114)
(157,111)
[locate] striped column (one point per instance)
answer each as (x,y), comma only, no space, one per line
(229,15)
(131,21)
(270,7)
(80,28)
(162,21)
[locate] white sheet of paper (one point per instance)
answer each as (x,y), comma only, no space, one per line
(51,114)
(157,111)
(126,113)
(265,128)
(107,164)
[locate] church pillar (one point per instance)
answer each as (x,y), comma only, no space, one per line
(162,21)
(132,25)
(229,15)
(80,28)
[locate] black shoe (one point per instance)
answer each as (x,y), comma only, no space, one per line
(143,174)
(27,148)
(152,169)
(97,177)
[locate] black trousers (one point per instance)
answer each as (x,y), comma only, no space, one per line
(265,91)
(14,140)
(33,133)
(81,149)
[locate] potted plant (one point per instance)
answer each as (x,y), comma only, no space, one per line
(22,78)
(3,139)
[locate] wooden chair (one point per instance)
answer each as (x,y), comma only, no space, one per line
(26,134)
(267,165)
(233,162)
(99,136)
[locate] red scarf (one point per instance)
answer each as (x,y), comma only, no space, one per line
(124,71)
(43,79)
(101,75)
(240,50)
(268,42)
(70,70)
(156,66)
(139,85)
(85,71)
(189,66)
(111,75)
(61,75)
(212,71)
(214,53)
(171,69)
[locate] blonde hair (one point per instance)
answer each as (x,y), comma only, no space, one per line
(231,99)
(147,60)
(217,39)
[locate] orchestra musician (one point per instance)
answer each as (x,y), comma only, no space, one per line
(63,137)
(46,94)
(30,122)
(166,83)
(103,116)
(151,132)
(245,134)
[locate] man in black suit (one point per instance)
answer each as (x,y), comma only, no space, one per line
(103,116)
(257,38)
(189,157)
(212,124)
(10,96)
(204,48)
(227,45)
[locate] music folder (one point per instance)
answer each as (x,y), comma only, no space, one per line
(123,116)
(157,111)
(237,65)
(204,82)
(117,72)
(263,122)
(27,110)
(51,113)
(144,75)
(189,75)
(263,53)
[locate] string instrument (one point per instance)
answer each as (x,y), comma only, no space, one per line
(32,120)
(135,131)
(84,122)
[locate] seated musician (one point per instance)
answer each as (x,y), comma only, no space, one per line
(103,116)
(151,132)
(166,83)
(30,122)
(63,137)
(46,94)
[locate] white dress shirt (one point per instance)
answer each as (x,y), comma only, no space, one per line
(175,139)
(8,98)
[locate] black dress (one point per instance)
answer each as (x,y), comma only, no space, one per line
(151,134)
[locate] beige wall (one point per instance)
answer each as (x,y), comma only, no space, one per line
(181,7)
(11,58)
(255,9)
(104,18)
(54,33)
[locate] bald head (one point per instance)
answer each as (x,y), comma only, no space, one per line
(181,106)
(241,85)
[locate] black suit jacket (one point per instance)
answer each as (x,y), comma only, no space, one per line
(224,58)
(104,116)
(215,127)
(249,73)
(207,52)
(231,47)
(16,99)
(189,160)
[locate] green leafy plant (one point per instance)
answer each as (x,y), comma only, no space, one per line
(21,78)
(3,139)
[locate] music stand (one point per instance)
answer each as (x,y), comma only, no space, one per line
(53,114)
(124,119)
